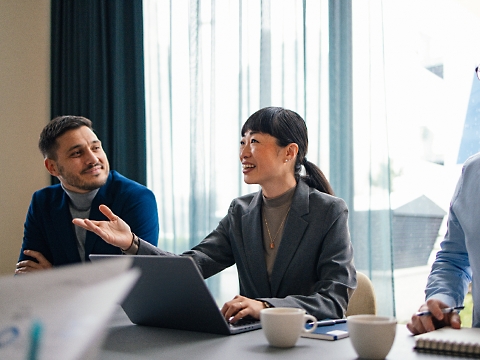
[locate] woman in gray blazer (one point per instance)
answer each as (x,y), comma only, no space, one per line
(289,241)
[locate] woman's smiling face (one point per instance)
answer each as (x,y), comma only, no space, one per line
(263,160)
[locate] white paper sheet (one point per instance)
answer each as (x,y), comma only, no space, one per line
(70,306)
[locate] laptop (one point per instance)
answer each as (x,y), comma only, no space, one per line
(171,293)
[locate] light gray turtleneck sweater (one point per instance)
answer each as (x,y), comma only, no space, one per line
(80,205)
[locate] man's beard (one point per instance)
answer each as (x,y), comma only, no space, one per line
(78,182)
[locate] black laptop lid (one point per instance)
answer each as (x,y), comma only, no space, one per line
(171,293)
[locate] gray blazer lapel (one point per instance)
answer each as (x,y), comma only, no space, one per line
(295,227)
(253,245)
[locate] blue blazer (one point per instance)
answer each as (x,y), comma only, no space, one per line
(314,267)
(49,228)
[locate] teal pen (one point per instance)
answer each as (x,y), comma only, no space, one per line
(444,310)
(35,336)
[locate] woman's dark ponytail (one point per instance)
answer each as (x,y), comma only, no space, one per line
(316,178)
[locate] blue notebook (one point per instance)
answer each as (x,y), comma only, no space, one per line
(336,331)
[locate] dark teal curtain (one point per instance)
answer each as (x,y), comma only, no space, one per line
(98,72)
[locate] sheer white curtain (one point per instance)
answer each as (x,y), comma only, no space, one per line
(209,64)
(371,222)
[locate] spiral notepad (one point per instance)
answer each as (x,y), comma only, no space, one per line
(448,341)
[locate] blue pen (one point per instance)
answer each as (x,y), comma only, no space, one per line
(444,310)
(331,322)
(35,336)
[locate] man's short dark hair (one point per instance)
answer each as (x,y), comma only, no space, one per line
(60,125)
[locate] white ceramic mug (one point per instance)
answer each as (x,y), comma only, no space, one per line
(282,326)
(371,335)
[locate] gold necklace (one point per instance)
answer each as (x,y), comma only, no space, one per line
(272,241)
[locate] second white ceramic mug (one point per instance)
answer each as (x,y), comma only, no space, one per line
(371,335)
(282,326)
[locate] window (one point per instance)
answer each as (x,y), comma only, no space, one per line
(414,87)
(210,64)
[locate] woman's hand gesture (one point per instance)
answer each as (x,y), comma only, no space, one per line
(115,231)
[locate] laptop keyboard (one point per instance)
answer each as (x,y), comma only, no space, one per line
(248,320)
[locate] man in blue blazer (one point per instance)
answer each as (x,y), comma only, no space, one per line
(73,153)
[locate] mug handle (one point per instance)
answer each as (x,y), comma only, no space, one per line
(314,323)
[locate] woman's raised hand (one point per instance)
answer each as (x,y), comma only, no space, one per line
(115,231)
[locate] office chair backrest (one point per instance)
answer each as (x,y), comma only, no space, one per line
(363,300)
